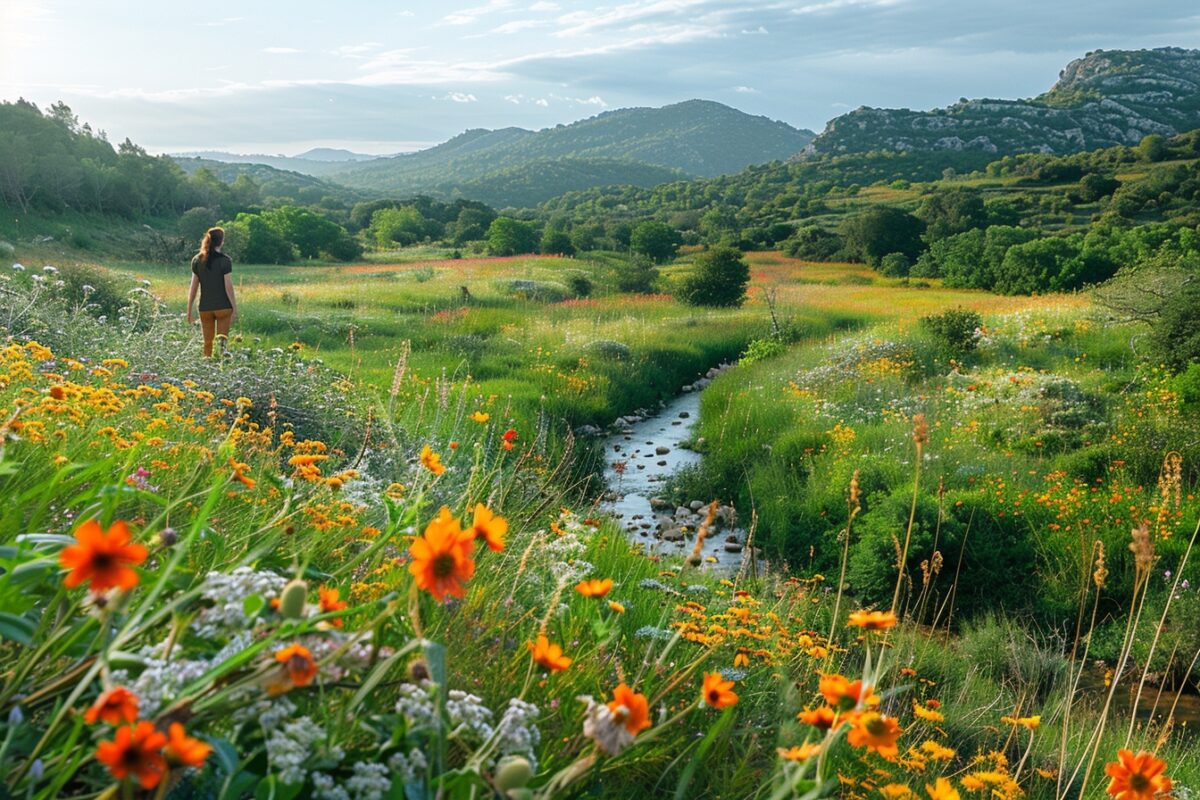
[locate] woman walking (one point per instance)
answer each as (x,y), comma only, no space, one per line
(211,275)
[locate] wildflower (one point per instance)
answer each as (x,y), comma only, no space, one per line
(603,726)
(936,751)
(182,750)
(872,620)
(896,791)
(927,714)
(799,753)
(432,461)
(1137,777)
(630,709)
(509,437)
(742,659)
(239,473)
(822,718)
(441,558)
(1029,723)
(875,732)
(617,607)
(548,655)
(135,751)
(329,602)
(718,692)
(941,790)
(489,527)
(115,706)
(298,668)
(104,558)
(594,587)
(480,417)
(844,694)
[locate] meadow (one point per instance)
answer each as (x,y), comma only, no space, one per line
(358,557)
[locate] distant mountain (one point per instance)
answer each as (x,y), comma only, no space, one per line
(273,181)
(696,137)
(317,162)
(332,154)
(1105,98)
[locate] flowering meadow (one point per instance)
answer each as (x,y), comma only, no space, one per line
(317,568)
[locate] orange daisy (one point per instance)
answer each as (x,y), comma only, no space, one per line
(114,706)
(432,461)
(135,751)
(329,602)
(875,732)
(872,620)
(1137,777)
(822,718)
(595,587)
(718,692)
(183,750)
(105,558)
(799,752)
(441,558)
(942,790)
(548,655)
(489,527)
(844,694)
(298,668)
(631,707)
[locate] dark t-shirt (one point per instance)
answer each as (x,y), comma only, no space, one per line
(212,281)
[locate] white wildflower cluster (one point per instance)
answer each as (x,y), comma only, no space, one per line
(161,678)
(410,766)
(517,732)
(416,705)
(356,656)
(270,712)
(604,727)
(468,715)
(369,781)
(570,571)
(564,548)
(292,750)
(326,788)
(228,593)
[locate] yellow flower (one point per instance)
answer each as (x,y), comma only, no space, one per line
(1029,723)
(432,461)
(927,714)
(480,417)
(942,790)
(617,607)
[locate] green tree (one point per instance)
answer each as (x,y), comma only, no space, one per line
(251,240)
(954,211)
(310,233)
(194,222)
(471,225)
(509,237)
(398,226)
(1094,186)
(556,241)
(656,240)
(876,232)
(895,265)
(1152,148)
(637,275)
(720,279)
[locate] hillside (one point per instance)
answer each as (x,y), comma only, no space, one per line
(1105,98)
(273,181)
(697,137)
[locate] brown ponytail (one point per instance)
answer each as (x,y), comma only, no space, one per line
(213,239)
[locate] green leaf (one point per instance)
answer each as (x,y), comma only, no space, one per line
(16,629)
(271,788)
(714,731)
(252,605)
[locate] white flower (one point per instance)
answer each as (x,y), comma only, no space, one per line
(291,749)
(409,767)
(467,713)
(517,734)
(18,267)
(369,781)
(49,270)
(604,727)
(228,594)
(416,705)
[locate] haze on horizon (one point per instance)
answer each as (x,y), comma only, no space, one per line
(381,77)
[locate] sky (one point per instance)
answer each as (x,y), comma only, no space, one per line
(260,76)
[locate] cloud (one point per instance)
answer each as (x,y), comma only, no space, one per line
(746,90)
(759,31)
(219,23)
(543,102)
(461,97)
(281,51)
(544,6)
(518,25)
(468,15)
(355,51)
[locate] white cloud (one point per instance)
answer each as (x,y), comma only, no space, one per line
(355,50)
(759,31)
(746,90)
(468,15)
(281,51)
(543,102)
(461,97)
(542,5)
(518,25)
(218,23)
(515,99)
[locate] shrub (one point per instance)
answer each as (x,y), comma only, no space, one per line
(509,237)
(194,222)
(579,284)
(762,349)
(955,330)
(557,242)
(813,243)
(655,240)
(1175,336)
(873,234)
(542,291)
(895,265)
(720,279)
(637,275)
(610,350)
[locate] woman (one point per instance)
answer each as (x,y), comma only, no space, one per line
(211,274)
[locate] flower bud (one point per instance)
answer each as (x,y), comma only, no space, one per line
(293,599)
(513,772)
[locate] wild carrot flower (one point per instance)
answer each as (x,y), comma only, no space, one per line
(875,732)
(799,752)
(942,789)
(432,461)
(135,751)
(630,708)
(442,558)
(1137,777)
(489,527)
(872,620)
(594,587)
(297,668)
(114,706)
(103,558)
(329,602)
(183,750)
(718,692)
(548,655)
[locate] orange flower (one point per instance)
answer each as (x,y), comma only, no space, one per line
(927,714)
(594,587)
(821,718)
(298,668)
(844,694)
(631,707)
(115,706)
(872,620)
(104,558)
(718,692)
(329,602)
(941,790)
(184,751)
(799,753)
(548,655)
(489,527)
(617,607)
(137,752)
(875,732)
(432,461)
(1137,777)
(509,437)
(441,558)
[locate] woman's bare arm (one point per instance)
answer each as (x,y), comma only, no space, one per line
(192,296)
(229,294)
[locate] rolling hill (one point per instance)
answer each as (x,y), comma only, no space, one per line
(1106,98)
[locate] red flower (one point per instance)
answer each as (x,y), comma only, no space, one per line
(105,558)
(137,752)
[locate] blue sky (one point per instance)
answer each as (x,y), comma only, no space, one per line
(266,76)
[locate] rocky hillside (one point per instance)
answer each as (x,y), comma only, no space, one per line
(1103,99)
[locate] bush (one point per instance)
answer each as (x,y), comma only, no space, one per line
(638,275)
(655,240)
(579,284)
(873,234)
(251,240)
(955,330)
(762,349)
(720,279)
(812,243)
(195,222)
(895,265)
(509,237)
(1175,336)
(558,243)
